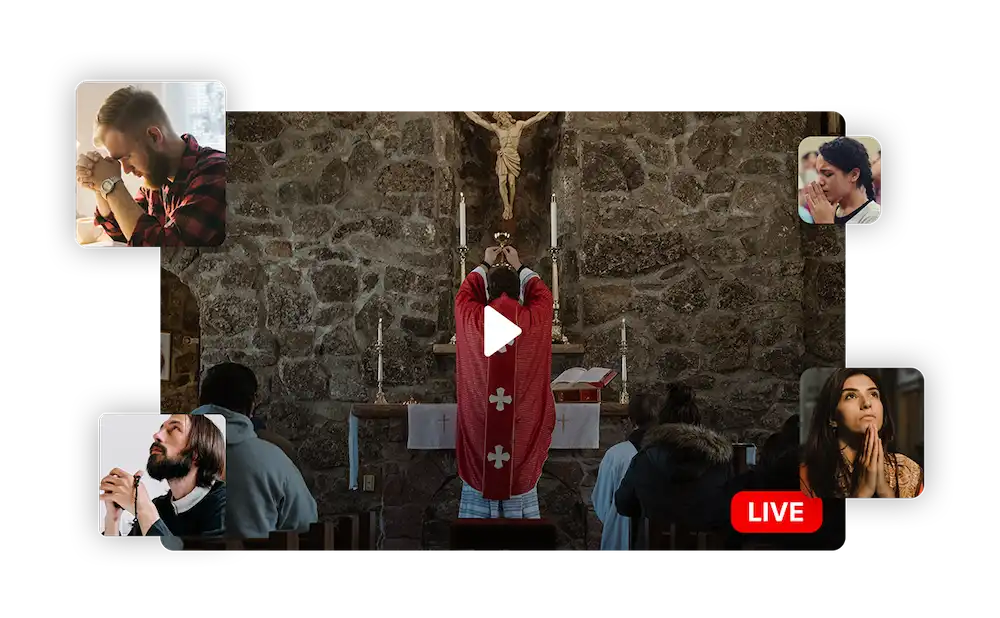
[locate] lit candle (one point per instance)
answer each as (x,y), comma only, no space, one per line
(461,219)
(623,331)
(380,331)
(552,216)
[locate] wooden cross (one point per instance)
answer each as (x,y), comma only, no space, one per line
(562,420)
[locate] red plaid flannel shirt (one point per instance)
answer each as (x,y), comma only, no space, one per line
(188,212)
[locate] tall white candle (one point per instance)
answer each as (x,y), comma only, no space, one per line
(552,216)
(624,368)
(461,219)
(380,351)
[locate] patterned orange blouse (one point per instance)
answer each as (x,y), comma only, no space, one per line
(911,477)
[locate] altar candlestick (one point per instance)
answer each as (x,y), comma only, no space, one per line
(380,351)
(552,216)
(461,219)
(624,367)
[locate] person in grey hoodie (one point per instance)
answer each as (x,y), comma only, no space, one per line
(266,492)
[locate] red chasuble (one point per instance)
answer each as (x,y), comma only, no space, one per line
(506,412)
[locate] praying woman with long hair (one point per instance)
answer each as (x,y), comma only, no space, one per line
(849,451)
(843,191)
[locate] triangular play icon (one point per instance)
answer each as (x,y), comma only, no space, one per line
(498,331)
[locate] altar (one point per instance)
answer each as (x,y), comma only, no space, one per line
(432,426)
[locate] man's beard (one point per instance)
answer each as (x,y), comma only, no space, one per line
(159,169)
(163,468)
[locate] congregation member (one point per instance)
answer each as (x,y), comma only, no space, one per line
(266,491)
(683,470)
(643,412)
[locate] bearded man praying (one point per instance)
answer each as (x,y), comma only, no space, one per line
(189,453)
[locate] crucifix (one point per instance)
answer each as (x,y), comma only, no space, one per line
(508,131)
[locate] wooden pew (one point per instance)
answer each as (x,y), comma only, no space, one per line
(369,531)
(347,532)
(653,534)
(354,531)
(320,536)
(651,539)
(508,534)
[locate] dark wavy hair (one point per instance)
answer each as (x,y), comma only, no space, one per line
(680,406)
(207,448)
(847,154)
(825,464)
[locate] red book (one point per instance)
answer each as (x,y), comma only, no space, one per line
(582,385)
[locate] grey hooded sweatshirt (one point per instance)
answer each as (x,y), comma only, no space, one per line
(265,491)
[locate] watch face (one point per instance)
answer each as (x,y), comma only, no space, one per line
(107,185)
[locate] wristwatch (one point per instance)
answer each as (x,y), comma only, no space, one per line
(109,185)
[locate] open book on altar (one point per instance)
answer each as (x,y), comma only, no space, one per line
(579,384)
(579,378)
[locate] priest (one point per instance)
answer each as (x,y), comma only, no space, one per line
(506,412)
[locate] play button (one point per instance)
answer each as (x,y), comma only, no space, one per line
(498,331)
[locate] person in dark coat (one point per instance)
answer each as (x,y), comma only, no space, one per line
(682,473)
(778,469)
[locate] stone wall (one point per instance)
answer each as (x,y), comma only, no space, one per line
(180,317)
(684,223)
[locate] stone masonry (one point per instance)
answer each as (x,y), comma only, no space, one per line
(682,222)
(179,316)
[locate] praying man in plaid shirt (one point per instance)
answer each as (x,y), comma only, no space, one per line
(182,202)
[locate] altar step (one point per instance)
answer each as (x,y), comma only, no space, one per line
(557,348)
(398,410)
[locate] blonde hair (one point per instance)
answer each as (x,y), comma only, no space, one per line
(130,110)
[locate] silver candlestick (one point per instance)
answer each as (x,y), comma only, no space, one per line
(463,252)
(623,349)
(380,395)
(557,332)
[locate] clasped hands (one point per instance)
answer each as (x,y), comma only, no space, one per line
(819,207)
(93,168)
(872,462)
(509,252)
(118,492)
